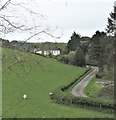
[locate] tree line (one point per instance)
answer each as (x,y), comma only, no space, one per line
(97,50)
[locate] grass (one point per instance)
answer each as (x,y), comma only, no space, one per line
(37,76)
(99,92)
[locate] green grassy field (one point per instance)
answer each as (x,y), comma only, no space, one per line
(37,76)
(99,92)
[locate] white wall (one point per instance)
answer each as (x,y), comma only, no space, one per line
(55,52)
(45,52)
(39,52)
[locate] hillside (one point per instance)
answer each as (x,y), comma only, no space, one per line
(36,76)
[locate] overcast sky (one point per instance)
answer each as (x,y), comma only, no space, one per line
(82,16)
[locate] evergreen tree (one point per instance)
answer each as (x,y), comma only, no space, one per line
(98,49)
(79,59)
(111,27)
(109,57)
(85,41)
(74,42)
(110,49)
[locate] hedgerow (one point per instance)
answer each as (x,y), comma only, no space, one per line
(61,96)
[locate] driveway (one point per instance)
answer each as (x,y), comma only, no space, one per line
(78,90)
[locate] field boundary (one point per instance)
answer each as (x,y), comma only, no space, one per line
(63,96)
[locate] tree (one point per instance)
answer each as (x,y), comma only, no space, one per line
(10,17)
(110,49)
(85,41)
(74,42)
(19,17)
(98,46)
(111,27)
(79,59)
(71,57)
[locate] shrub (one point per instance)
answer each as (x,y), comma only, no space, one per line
(99,75)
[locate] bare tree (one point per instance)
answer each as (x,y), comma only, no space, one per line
(15,16)
(20,17)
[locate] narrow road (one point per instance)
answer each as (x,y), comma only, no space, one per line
(78,90)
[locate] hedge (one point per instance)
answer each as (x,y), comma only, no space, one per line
(60,96)
(76,80)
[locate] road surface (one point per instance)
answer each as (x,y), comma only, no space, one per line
(78,90)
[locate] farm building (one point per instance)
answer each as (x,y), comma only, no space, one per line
(47,52)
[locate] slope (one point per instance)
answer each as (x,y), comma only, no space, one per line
(36,76)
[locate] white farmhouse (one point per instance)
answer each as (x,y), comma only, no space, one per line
(47,52)
(39,51)
(55,52)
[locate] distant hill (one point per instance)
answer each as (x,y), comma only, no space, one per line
(48,45)
(26,46)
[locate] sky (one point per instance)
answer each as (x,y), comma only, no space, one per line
(63,17)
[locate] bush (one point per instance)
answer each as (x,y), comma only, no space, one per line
(99,75)
(64,59)
(71,57)
(74,58)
